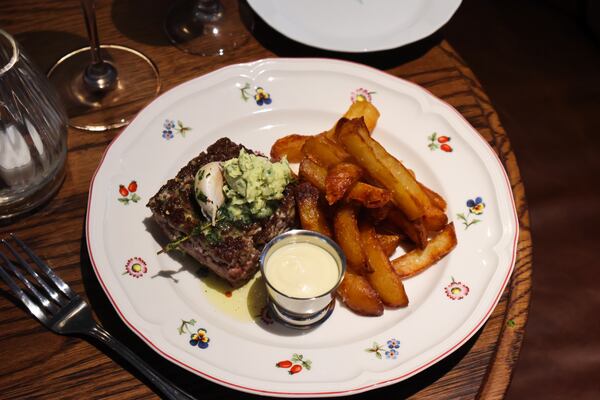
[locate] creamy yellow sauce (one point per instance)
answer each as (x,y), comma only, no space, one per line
(243,304)
(302,270)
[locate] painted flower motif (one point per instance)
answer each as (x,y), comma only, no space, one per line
(456,290)
(295,365)
(261,97)
(128,193)
(185,326)
(199,338)
(170,128)
(391,354)
(136,267)
(439,142)
(476,206)
(361,94)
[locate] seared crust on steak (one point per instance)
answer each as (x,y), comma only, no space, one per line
(234,256)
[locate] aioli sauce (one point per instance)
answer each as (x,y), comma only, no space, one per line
(302,270)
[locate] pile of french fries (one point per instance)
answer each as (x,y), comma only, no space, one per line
(352,190)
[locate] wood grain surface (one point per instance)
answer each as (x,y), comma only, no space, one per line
(39,364)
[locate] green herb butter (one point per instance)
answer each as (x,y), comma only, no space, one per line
(253,186)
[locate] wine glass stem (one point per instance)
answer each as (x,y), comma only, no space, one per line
(89,12)
(100,76)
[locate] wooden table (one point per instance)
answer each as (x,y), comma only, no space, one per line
(39,364)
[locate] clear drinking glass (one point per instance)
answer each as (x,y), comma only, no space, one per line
(33,133)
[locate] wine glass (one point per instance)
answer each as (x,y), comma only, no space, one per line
(205,27)
(103,86)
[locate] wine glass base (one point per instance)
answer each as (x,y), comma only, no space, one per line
(137,83)
(194,33)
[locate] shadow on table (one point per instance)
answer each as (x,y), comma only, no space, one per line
(203,389)
(45,48)
(142,20)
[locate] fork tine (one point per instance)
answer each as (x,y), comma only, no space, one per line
(33,308)
(60,284)
(51,292)
(45,302)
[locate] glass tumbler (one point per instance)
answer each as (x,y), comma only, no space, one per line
(33,133)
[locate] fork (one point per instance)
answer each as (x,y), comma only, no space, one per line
(66,313)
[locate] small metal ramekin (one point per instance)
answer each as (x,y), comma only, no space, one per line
(298,312)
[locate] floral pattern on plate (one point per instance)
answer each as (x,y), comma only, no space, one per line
(198,337)
(295,365)
(261,96)
(128,193)
(170,128)
(361,94)
(390,351)
(439,142)
(136,267)
(456,290)
(476,206)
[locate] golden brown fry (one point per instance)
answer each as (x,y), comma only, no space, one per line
(435,198)
(383,278)
(359,296)
(389,242)
(418,260)
(289,146)
(415,230)
(366,110)
(345,228)
(434,219)
(313,173)
(368,195)
(340,178)
(372,157)
(324,152)
(356,110)
(312,215)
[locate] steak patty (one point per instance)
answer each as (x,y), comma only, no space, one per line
(234,254)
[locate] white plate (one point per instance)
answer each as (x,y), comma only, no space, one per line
(355,25)
(448,303)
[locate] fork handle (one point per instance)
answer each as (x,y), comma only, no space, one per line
(167,388)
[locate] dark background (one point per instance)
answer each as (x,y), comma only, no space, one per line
(539,62)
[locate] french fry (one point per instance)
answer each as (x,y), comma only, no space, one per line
(340,178)
(434,218)
(418,260)
(289,146)
(359,296)
(383,278)
(366,110)
(358,109)
(324,152)
(313,173)
(389,242)
(368,195)
(435,198)
(345,228)
(415,230)
(312,215)
(381,166)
